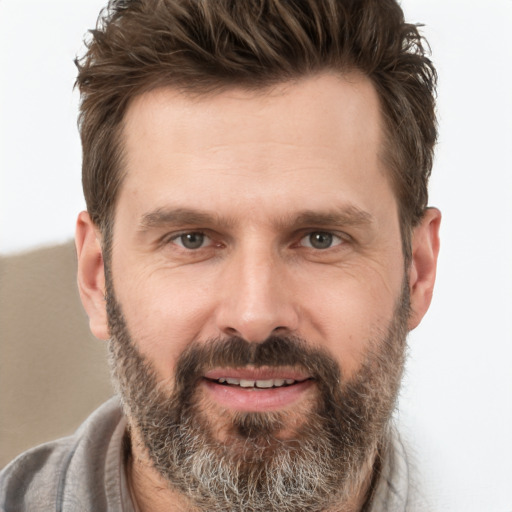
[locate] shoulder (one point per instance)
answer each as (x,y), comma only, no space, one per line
(34,473)
(42,478)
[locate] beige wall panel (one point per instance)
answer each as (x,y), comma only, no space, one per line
(53,372)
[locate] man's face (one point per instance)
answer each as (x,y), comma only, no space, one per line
(251,220)
(252,214)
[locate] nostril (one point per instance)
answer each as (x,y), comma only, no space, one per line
(280,330)
(256,320)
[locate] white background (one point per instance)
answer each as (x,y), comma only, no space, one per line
(456,405)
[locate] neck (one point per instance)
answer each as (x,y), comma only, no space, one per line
(149,491)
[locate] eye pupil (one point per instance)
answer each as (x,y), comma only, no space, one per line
(192,240)
(320,240)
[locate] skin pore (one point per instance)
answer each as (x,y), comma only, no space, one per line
(254,216)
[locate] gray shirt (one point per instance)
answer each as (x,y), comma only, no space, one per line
(85,472)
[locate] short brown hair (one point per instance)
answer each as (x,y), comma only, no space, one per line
(201,46)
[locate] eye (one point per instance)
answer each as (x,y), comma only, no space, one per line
(320,240)
(192,240)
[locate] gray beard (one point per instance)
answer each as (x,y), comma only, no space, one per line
(253,469)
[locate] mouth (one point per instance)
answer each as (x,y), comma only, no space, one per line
(256,390)
(256,384)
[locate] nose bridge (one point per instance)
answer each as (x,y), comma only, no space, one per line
(257,301)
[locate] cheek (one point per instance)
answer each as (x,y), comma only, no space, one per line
(164,316)
(350,311)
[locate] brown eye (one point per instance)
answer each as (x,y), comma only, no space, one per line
(320,240)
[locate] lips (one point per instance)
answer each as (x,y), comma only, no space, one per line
(264,373)
(259,384)
(256,389)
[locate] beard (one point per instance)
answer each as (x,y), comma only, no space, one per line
(241,461)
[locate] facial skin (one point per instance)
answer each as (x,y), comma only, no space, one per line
(250,215)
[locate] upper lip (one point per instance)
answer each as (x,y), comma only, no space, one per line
(262,373)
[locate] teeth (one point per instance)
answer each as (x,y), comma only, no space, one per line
(264,384)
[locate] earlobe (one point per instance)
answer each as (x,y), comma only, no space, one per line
(91,275)
(422,270)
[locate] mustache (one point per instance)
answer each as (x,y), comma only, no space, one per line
(275,351)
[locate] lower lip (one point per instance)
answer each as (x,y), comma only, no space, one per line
(256,400)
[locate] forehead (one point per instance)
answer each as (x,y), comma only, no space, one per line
(321,134)
(322,102)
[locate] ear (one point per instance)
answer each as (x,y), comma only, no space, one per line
(91,275)
(422,270)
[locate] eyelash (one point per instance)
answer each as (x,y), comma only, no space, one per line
(177,236)
(333,237)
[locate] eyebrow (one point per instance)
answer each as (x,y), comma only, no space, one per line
(342,216)
(182,216)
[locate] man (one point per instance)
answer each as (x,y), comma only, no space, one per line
(256,247)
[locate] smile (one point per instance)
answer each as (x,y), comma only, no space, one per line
(257,390)
(256,384)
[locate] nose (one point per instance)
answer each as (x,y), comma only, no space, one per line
(256,297)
